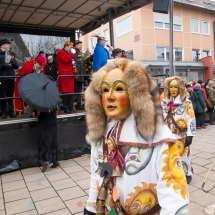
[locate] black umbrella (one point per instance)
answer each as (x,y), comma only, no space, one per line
(39,92)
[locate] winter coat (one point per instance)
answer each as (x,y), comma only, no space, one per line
(7,69)
(200,102)
(205,96)
(79,61)
(211,96)
(65,84)
(55,61)
(100,57)
(51,71)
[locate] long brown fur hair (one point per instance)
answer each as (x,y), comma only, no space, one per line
(144,100)
(182,90)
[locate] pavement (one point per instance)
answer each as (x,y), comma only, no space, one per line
(63,190)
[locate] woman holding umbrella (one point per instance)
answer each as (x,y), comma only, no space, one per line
(41,95)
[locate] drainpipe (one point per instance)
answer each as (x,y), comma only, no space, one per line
(110,19)
(171,67)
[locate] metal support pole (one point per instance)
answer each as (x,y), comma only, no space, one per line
(171,67)
(110,19)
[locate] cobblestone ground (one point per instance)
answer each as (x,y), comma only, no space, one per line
(63,190)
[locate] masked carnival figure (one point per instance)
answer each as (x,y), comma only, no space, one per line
(180,117)
(135,165)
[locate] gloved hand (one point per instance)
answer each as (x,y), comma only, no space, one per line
(188,141)
(86,212)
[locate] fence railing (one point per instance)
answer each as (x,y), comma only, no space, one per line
(60,94)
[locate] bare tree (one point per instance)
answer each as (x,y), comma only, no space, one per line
(47,44)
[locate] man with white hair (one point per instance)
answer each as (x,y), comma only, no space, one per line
(51,69)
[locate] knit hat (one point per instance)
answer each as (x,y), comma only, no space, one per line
(188,85)
(41,60)
(197,86)
(77,42)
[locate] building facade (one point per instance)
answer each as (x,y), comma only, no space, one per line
(145,36)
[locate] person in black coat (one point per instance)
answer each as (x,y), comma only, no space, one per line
(51,69)
(7,65)
(79,61)
(55,59)
(47,139)
(200,107)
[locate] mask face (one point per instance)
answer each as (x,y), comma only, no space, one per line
(173,88)
(115,99)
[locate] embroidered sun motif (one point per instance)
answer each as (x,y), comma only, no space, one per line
(142,200)
(182,124)
(173,170)
(180,146)
(190,111)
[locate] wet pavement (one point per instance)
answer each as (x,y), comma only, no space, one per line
(63,190)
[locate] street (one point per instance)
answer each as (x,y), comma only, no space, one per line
(63,191)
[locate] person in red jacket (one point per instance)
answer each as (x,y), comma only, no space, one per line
(34,65)
(66,84)
(205,96)
(204,92)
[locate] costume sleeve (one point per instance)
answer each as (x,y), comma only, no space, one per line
(172,189)
(92,193)
(64,57)
(97,60)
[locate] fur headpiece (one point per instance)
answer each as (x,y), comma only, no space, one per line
(182,91)
(144,100)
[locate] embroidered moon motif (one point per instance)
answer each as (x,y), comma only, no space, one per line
(142,200)
(180,110)
(183,210)
(190,111)
(180,146)
(185,167)
(193,127)
(137,159)
(173,171)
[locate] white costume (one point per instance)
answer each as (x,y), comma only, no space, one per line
(184,117)
(153,173)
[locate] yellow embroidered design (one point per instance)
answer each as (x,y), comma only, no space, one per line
(173,170)
(142,200)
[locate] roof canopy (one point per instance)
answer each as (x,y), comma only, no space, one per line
(61,17)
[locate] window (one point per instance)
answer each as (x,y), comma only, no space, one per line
(194,25)
(177,27)
(206,53)
(163,54)
(177,21)
(130,54)
(106,34)
(124,26)
(205,27)
(91,44)
(195,54)
(177,54)
(160,53)
(161,25)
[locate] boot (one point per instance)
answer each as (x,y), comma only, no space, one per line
(45,165)
(55,164)
(188,178)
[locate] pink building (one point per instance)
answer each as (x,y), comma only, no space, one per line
(145,36)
